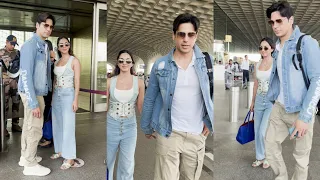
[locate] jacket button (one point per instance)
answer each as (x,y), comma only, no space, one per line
(170,94)
(168,109)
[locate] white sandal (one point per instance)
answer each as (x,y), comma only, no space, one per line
(257,163)
(55,156)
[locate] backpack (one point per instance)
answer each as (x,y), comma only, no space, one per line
(209,72)
(299,57)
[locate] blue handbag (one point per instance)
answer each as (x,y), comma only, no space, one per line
(47,127)
(246,130)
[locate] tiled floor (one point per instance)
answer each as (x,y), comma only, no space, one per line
(91,147)
(233,161)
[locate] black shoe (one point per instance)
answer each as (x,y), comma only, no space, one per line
(6,133)
(47,145)
(16,128)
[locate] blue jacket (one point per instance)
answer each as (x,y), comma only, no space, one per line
(297,98)
(35,69)
(156,114)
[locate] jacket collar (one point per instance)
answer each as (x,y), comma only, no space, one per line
(37,37)
(296,33)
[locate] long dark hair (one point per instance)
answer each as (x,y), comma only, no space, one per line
(116,70)
(270,42)
(70,50)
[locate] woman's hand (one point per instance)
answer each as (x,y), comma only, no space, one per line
(75,105)
(252,107)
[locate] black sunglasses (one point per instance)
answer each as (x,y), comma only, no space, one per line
(62,45)
(265,48)
(122,61)
(47,25)
(183,34)
(279,21)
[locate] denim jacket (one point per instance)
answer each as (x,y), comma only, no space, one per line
(297,98)
(35,68)
(156,114)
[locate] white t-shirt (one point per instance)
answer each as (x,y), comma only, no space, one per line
(279,69)
(187,105)
(245,65)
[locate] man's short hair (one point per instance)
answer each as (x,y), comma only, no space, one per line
(42,17)
(186,18)
(283,7)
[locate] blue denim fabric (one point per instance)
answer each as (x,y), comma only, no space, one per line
(296,96)
(262,111)
(156,114)
(122,137)
(64,122)
(35,71)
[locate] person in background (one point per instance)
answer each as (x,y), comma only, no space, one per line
(8,54)
(228,74)
(45,143)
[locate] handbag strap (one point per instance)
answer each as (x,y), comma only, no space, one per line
(248,116)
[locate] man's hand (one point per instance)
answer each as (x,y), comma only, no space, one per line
(151,136)
(300,127)
(205,130)
(36,112)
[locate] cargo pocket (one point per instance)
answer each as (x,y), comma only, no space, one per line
(200,157)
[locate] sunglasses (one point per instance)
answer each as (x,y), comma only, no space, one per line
(66,45)
(265,48)
(183,34)
(278,21)
(47,25)
(122,61)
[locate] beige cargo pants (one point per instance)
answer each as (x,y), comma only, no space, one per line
(180,152)
(31,131)
(277,132)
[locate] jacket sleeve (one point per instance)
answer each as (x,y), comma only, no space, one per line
(149,102)
(27,62)
(310,57)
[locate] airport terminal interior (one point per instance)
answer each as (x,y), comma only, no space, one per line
(99,29)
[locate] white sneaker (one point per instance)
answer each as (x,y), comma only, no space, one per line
(23,161)
(36,170)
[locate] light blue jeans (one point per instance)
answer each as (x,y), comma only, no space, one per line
(64,122)
(122,137)
(262,111)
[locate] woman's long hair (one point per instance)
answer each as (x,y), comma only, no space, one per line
(116,70)
(270,42)
(70,50)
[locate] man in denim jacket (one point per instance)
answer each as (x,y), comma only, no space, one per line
(177,105)
(34,83)
(295,104)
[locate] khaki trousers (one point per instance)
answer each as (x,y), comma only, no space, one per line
(180,152)
(278,130)
(31,131)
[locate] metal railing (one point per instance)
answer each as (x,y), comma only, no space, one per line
(3,144)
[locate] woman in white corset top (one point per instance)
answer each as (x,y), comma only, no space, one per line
(260,103)
(125,96)
(65,104)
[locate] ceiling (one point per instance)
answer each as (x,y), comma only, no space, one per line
(251,21)
(144,27)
